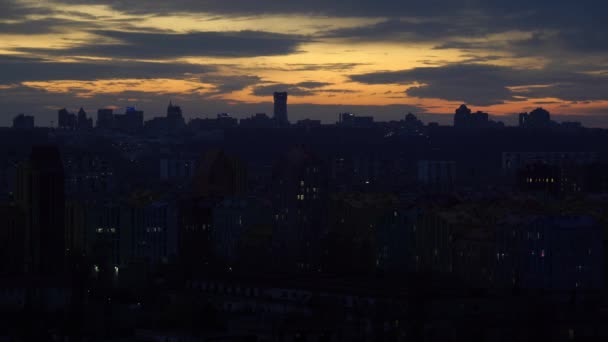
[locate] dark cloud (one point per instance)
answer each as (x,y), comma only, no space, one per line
(412,30)
(481,84)
(39,26)
(299,89)
(321,66)
(15,10)
(259,7)
(229,84)
(18,69)
(293,90)
(312,84)
(140,45)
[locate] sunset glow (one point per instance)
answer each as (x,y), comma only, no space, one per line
(212,57)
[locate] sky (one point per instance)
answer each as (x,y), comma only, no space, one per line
(383,58)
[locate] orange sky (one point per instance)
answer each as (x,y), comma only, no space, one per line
(326,59)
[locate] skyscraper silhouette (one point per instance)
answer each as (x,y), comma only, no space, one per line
(280,108)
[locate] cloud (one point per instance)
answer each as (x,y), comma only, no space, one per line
(293,90)
(228,84)
(15,10)
(15,69)
(265,7)
(321,66)
(308,88)
(313,85)
(147,45)
(481,84)
(412,30)
(41,26)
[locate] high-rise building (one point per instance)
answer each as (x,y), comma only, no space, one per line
(22,121)
(65,119)
(131,122)
(538,118)
(105,118)
(280,108)
(40,194)
(174,111)
(83,122)
(299,197)
(464,118)
(175,119)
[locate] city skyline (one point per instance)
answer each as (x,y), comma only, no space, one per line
(382,59)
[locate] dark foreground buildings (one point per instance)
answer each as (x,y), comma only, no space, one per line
(40,195)
(259,230)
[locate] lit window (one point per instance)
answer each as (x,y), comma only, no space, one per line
(99,230)
(542,253)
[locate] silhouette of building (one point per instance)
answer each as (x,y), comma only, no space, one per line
(221,122)
(174,111)
(463,118)
(175,119)
(412,125)
(259,120)
(352,120)
(280,108)
(40,193)
(538,118)
(84,122)
(308,123)
(219,174)
(105,118)
(22,121)
(66,120)
(132,121)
